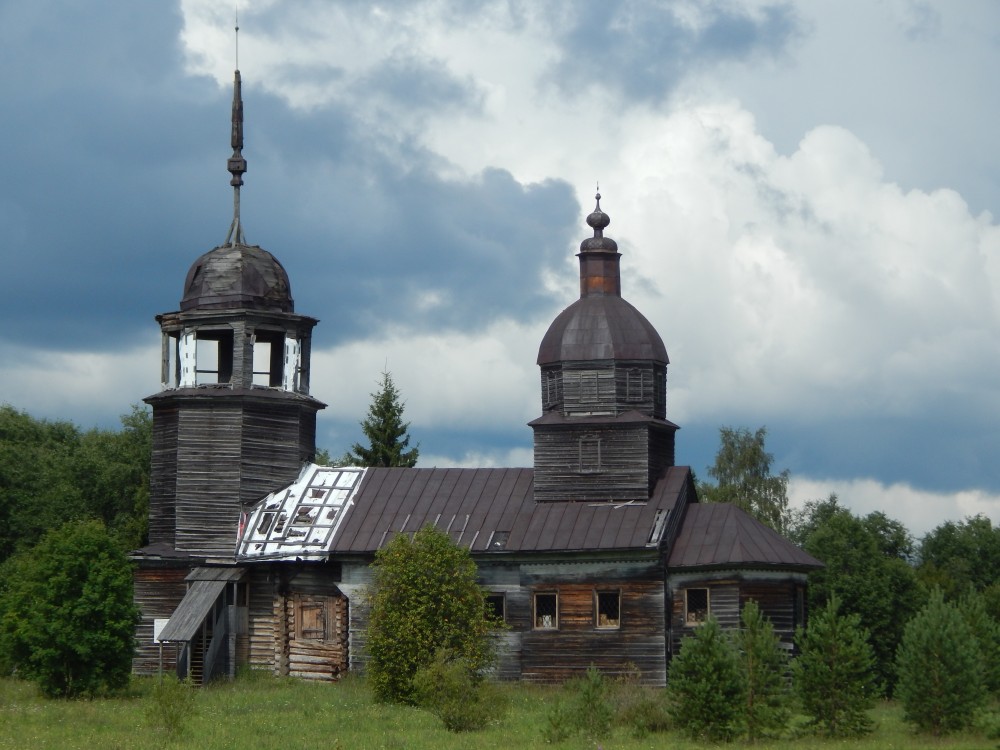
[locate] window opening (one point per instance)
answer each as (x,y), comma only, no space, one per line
(546,611)
(214,357)
(608,606)
(496,607)
(265,523)
(268,358)
(696,606)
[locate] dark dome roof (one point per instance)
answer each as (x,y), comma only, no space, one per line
(601,327)
(237,276)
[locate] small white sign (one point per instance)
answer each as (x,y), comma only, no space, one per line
(158,625)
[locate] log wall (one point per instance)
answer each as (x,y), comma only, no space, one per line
(156,591)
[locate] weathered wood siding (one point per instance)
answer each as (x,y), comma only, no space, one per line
(277,595)
(277,439)
(262,622)
(637,645)
(163,476)
(208,475)
(156,591)
(780,596)
(215,451)
(592,462)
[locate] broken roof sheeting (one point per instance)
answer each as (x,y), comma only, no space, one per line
(716,535)
(301,520)
(483,510)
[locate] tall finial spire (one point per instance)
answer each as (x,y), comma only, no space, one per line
(237,164)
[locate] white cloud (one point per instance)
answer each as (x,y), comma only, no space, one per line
(446,380)
(90,388)
(918,510)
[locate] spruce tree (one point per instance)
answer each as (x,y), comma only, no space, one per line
(833,673)
(704,686)
(386,431)
(940,669)
(763,666)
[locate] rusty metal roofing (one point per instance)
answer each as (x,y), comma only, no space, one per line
(484,510)
(720,535)
(601,328)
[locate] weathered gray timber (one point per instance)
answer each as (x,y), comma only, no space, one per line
(157,590)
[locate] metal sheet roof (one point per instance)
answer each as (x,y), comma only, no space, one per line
(484,510)
(720,535)
(190,613)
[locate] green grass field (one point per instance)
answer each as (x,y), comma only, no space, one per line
(258,713)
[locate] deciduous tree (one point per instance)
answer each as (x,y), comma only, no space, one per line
(67,619)
(743,476)
(865,572)
(424,598)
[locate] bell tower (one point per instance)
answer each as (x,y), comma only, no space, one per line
(233,419)
(603,434)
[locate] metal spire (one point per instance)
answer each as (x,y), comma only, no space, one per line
(237,164)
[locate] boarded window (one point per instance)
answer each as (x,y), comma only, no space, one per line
(315,618)
(546,611)
(496,607)
(590,454)
(695,606)
(608,606)
(637,384)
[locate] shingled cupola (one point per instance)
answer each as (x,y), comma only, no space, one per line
(234,418)
(603,434)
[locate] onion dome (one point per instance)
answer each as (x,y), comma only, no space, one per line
(600,325)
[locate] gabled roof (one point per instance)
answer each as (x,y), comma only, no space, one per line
(484,510)
(720,535)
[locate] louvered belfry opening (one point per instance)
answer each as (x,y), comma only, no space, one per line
(603,434)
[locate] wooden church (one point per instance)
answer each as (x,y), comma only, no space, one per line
(600,554)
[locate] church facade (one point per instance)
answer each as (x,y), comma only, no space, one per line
(600,554)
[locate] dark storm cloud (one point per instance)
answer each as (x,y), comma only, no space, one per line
(101,158)
(643,48)
(114,181)
(373,238)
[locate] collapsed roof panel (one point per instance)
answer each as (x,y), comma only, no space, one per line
(301,520)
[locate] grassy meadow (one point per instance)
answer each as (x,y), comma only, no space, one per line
(260,712)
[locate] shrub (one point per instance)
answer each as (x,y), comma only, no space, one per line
(424,598)
(704,687)
(763,668)
(171,705)
(583,709)
(449,689)
(940,669)
(68,619)
(833,673)
(641,710)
